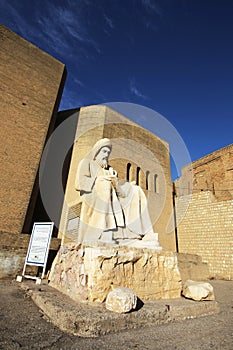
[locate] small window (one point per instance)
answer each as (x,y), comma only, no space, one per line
(156,183)
(138,175)
(147,179)
(128,171)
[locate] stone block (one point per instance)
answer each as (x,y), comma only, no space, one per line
(121,300)
(90,272)
(198,290)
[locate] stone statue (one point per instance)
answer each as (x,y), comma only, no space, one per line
(112,210)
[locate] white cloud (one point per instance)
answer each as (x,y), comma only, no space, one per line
(62,25)
(59,29)
(17,21)
(109,21)
(70,99)
(152,6)
(135,91)
(77,81)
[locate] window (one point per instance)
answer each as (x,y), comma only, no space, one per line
(128,171)
(138,175)
(147,179)
(156,183)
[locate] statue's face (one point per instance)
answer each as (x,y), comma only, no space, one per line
(103,154)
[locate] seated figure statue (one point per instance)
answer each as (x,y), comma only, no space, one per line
(112,210)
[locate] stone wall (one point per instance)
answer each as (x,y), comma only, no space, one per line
(207,226)
(31,88)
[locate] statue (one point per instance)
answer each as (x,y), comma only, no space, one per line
(112,210)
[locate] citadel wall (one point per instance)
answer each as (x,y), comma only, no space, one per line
(207,226)
(31,88)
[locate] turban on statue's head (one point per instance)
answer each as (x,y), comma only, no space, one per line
(100,144)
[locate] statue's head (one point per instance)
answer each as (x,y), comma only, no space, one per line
(101,151)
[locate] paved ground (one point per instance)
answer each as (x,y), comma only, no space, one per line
(23,326)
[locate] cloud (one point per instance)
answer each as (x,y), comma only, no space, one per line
(77,81)
(64,26)
(19,25)
(152,6)
(109,21)
(135,91)
(70,99)
(61,29)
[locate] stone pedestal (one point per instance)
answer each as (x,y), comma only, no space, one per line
(88,273)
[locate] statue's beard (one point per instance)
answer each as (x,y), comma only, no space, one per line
(103,163)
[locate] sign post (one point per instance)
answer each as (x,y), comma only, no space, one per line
(38,249)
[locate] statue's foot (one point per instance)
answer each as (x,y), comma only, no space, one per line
(154,245)
(151,236)
(123,233)
(107,237)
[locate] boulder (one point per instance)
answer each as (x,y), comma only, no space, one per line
(198,290)
(121,300)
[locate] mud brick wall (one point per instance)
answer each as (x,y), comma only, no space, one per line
(31,86)
(207,227)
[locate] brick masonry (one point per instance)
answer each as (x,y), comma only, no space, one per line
(31,84)
(31,88)
(207,226)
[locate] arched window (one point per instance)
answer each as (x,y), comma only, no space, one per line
(128,172)
(156,183)
(138,175)
(147,179)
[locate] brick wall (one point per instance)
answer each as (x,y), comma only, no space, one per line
(31,86)
(207,226)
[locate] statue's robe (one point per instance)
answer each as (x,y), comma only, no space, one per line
(108,206)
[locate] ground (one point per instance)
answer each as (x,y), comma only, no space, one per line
(23,326)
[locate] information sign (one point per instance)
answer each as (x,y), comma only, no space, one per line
(38,248)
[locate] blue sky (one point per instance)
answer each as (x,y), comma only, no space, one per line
(172,56)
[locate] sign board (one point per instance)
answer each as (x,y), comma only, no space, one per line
(39,243)
(38,248)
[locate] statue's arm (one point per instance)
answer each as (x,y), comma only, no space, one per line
(84,180)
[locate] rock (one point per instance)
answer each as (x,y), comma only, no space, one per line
(121,300)
(88,272)
(198,290)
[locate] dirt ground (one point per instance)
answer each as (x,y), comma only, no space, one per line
(23,326)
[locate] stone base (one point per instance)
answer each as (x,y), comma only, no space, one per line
(85,320)
(88,273)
